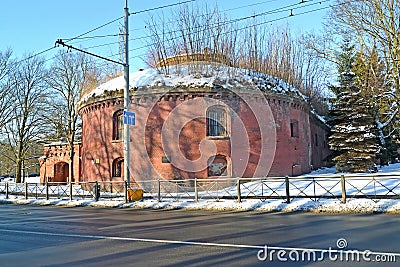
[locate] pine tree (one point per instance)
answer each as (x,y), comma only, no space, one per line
(353,136)
(370,71)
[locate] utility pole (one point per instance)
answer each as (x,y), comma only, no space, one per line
(126,98)
(126,89)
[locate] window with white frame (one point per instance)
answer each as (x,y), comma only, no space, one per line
(216,121)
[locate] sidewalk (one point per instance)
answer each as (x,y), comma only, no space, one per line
(361,206)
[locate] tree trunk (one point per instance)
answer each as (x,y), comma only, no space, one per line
(71,165)
(18,170)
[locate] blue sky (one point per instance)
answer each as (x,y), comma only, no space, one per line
(28,26)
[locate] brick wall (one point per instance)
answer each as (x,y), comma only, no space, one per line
(185,131)
(54,165)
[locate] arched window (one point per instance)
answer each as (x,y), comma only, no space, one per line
(117,167)
(216,121)
(118,125)
(218,166)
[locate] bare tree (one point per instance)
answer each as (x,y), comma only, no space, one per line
(203,34)
(5,90)
(376,26)
(195,34)
(70,76)
(6,158)
(26,126)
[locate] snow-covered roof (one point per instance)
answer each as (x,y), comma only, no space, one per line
(60,143)
(57,143)
(197,75)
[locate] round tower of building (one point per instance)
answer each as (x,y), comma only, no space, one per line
(200,120)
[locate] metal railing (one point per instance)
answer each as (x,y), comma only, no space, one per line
(70,191)
(374,187)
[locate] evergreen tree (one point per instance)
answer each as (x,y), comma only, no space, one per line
(370,72)
(353,136)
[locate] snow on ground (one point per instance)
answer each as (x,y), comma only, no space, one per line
(353,205)
(392,169)
(321,206)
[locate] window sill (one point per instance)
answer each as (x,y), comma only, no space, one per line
(218,137)
(117,141)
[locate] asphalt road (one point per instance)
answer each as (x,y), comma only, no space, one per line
(57,236)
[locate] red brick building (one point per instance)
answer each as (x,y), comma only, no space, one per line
(54,165)
(199,120)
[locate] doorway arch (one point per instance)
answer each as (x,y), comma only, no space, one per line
(61,172)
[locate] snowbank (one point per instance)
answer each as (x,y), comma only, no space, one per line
(321,206)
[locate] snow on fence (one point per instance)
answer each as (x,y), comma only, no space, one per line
(342,187)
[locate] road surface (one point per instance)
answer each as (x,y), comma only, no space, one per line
(84,236)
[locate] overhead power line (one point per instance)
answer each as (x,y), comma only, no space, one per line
(160,7)
(95,29)
(99,27)
(35,55)
(97,36)
(277,10)
(270,12)
(60,42)
(110,22)
(222,11)
(249,5)
(246,27)
(291,7)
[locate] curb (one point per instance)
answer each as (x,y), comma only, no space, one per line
(325,207)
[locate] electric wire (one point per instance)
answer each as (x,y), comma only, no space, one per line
(249,5)
(222,11)
(35,55)
(160,7)
(95,29)
(68,40)
(97,36)
(79,37)
(239,29)
(274,11)
(270,12)
(278,10)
